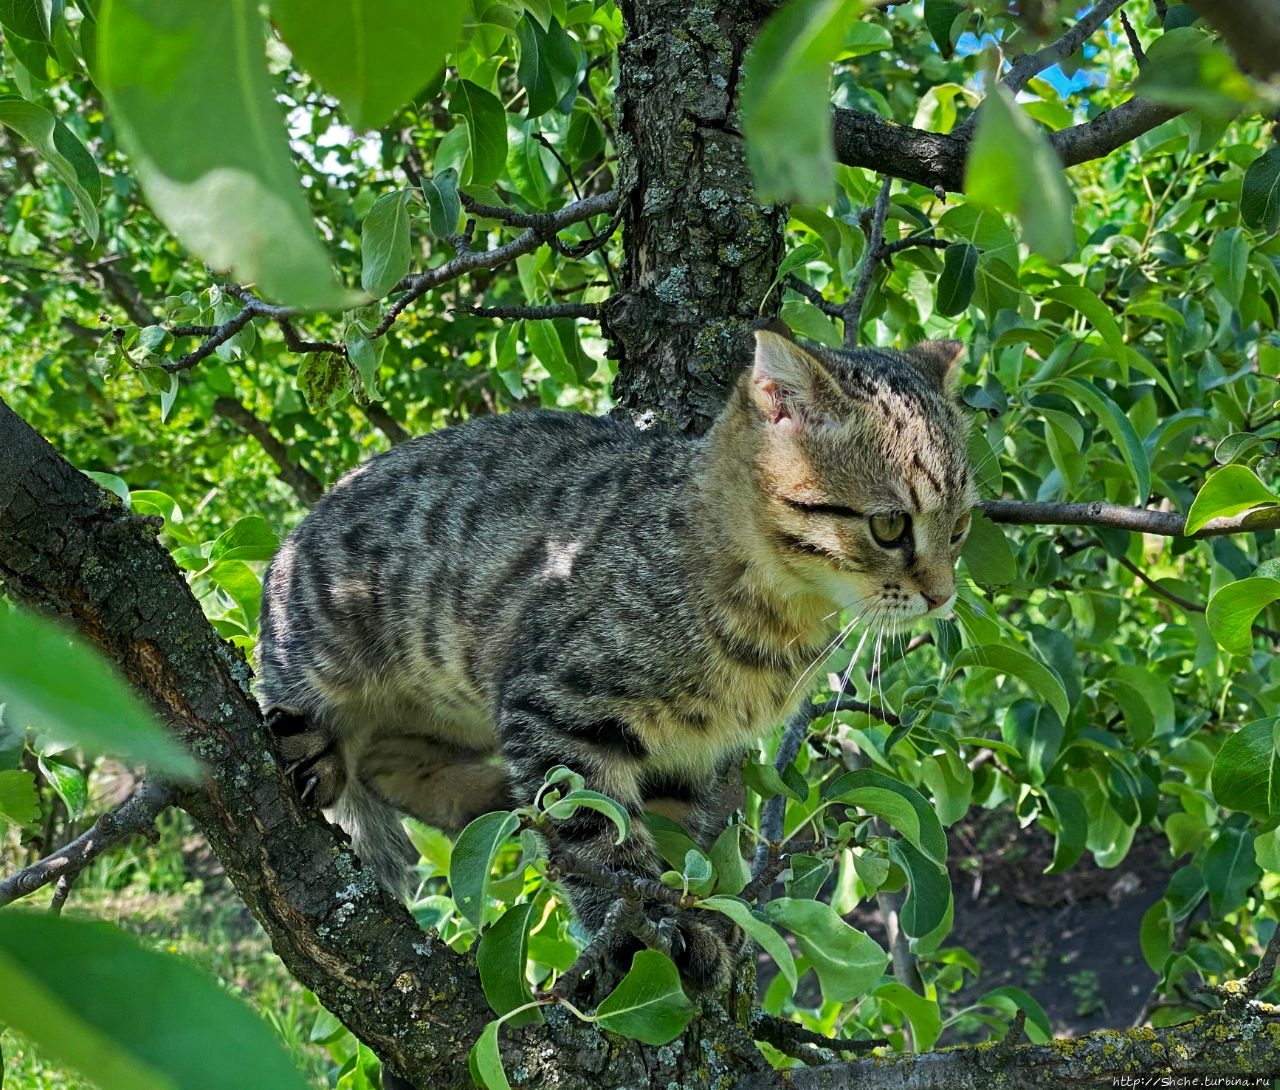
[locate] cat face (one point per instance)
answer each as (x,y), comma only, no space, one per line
(866,480)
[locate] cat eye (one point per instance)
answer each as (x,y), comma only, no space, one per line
(962,524)
(890,529)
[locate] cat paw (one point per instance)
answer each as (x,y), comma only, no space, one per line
(705,947)
(310,757)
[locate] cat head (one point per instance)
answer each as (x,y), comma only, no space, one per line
(862,461)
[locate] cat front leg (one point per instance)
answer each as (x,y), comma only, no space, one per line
(607,753)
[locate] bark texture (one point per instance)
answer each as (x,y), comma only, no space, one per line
(700,253)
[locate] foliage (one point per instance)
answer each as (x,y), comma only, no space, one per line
(1122,348)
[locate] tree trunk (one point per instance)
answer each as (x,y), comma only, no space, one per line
(700,253)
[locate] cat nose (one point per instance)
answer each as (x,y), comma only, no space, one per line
(935,601)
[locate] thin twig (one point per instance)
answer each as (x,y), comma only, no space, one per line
(135,814)
(853,308)
(774,810)
(418,284)
(1135,45)
(830,309)
(1031,64)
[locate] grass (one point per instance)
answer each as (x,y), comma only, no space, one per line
(149,891)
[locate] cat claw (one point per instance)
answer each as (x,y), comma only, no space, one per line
(308,787)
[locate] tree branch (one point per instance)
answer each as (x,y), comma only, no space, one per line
(1032,64)
(137,813)
(1137,519)
(550,310)
(417,284)
(870,259)
(937,160)
(1210,1045)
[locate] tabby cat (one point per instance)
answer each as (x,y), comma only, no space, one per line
(556,588)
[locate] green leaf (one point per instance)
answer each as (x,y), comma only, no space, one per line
(923,1014)
(987,554)
(1072,827)
(500,958)
(648,1003)
(864,38)
(486,126)
(222,180)
(19,800)
(385,252)
(1012,167)
(443,202)
(786,100)
(1230,869)
(767,782)
(62,150)
(940,17)
(1189,70)
(373,58)
(1232,490)
(959,278)
(249,538)
(732,872)
(1246,771)
(471,865)
(901,805)
(1232,610)
(29,19)
(848,962)
(762,932)
(322,378)
(1118,424)
(366,356)
(1229,263)
(808,874)
(928,893)
(548,64)
(1260,192)
(485,1063)
(1040,679)
(128,1018)
(593,800)
(69,782)
(99,712)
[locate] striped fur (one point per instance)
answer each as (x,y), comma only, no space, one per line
(476,606)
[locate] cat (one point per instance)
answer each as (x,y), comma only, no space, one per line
(561,589)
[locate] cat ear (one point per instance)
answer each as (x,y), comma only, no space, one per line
(939,361)
(788,384)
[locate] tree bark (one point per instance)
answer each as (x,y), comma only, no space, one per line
(700,253)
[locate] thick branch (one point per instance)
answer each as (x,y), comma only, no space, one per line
(1213,1044)
(135,814)
(937,160)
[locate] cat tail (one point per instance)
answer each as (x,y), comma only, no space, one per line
(377,835)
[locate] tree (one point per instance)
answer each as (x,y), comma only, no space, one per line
(1121,320)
